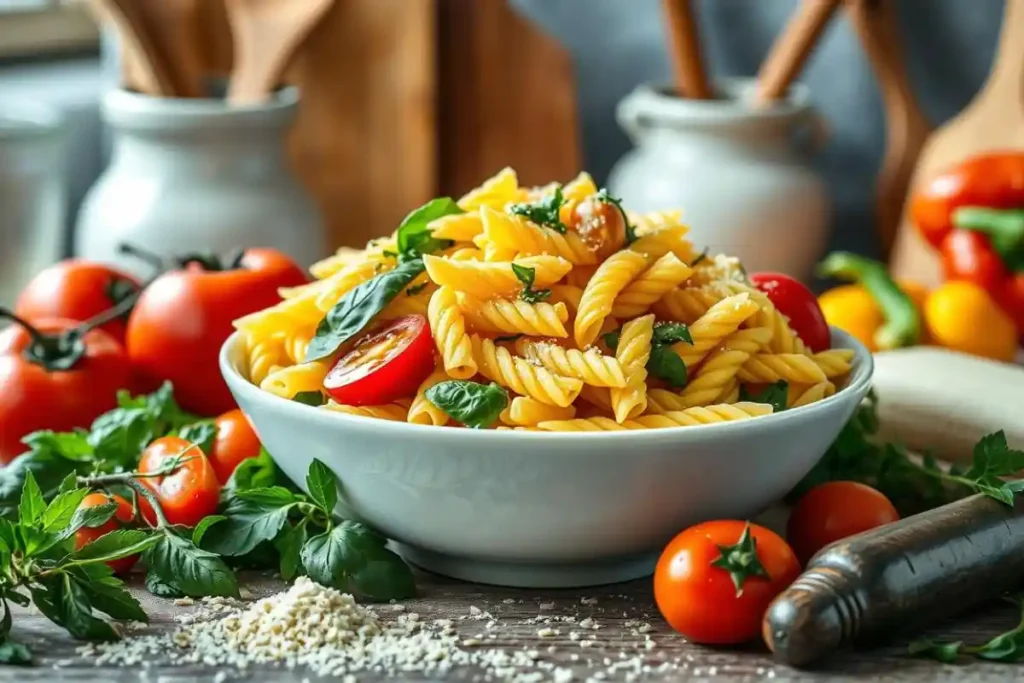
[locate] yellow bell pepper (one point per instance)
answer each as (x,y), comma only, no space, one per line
(963,317)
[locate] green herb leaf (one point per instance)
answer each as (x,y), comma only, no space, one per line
(544,211)
(414,238)
(246,525)
(197,573)
(604,196)
(776,395)
(107,593)
(355,310)
(947,653)
(14,654)
(507,338)
(120,435)
(160,588)
(416,289)
(474,405)
(289,545)
(251,473)
(670,333)
(526,275)
(611,339)
(70,445)
(272,496)
(741,561)
(384,576)
(62,509)
(74,610)
(92,517)
(309,398)
(331,557)
(32,506)
(204,525)
(200,433)
(115,545)
(665,364)
(48,467)
(322,486)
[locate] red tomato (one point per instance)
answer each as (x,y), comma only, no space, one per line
(799,304)
(834,511)
(190,492)
(184,316)
(968,255)
(700,599)
(34,395)
(1012,300)
(384,365)
(77,290)
(123,516)
(235,441)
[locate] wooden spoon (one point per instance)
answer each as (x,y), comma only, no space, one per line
(791,49)
(684,50)
(267,34)
(993,121)
(145,62)
(174,27)
(907,129)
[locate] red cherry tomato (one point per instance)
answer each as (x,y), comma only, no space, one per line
(190,492)
(77,290)
(183,317)
(384,365)
(799,304)
(1012,300)
(35,395)
(699,599)
(235,441)
(969,256)
(833,511)
(123,516)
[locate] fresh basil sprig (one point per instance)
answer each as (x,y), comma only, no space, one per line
(474,405)
(414,238)
(544,211)
(664,363)
(776,395)
(527,275)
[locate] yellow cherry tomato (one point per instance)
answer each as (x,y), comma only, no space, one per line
(854,311)
(963,317)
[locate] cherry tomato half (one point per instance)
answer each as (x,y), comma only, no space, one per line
(123,516)
(700,599)
(384,365)
(235,441)
(833,511)
(187,494)
(798,303)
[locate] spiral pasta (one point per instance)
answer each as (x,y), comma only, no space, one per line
(524,411)
(265,355)
(461,227)
(773,367)
(666,241)
(490,279)
(288,382)
(690,417)
(834,362)
(515,233)
(633,352)
(802,395)
(395,412)
(522,377)
(502,316)
(495,192)
(599,295)
(590,366)
(421,410)
(449,329)
(713,327)
(664,275)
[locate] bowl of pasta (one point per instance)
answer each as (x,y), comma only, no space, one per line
(536,387)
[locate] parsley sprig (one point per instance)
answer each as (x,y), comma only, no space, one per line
(544,211)
(527,275)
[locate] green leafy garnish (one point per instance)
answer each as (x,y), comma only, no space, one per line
(526,276)
(776,395)
(195,572)
(702,256)
(414,238)
(474,405)
(508,338)
(740,560)
(252,473)
(671,333)
(664,363)
(416,289)
(544,211)
(1005,647)
(309,398)
(604,196)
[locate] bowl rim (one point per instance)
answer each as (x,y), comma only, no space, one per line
(861,375)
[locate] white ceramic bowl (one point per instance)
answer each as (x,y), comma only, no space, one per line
(545,509)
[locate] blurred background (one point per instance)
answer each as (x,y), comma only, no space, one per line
(402,100)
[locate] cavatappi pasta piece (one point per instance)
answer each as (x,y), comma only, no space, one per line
(713,327)
(524,411)
(569,295)
(772,367)
(288,381)
(661,277)
(802,394)
(611,278)
(834,362)
(448,326)
(395,412)
(522,377)
(518,234)
(461,227)
(515,317)
(265,354)
(590,366)
(495,192)
(421,410)
(691,417)
(669,240)
(487,280)
(633,352)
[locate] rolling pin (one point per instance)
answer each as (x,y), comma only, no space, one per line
(899,577)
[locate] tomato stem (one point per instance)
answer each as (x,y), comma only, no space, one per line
(51,351)
(158,263)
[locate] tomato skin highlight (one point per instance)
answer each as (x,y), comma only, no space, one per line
(798,303)
(406,363)
(184,316)
(834,511)
(186,495)
(968,256)
(235,442)
(123,517)
(75,289)
(699,600)
(34,398)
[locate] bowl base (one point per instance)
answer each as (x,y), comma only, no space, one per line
(531,575)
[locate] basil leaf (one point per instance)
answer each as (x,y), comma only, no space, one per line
(330,557)
(74,610)
(272,496)
(611,339)
(70,445)
(197,573)
(160,588)
(14,654)
(309,398)
(246,525)
(671,333)
(526,275)
(416,289)
(204,525)
(200,433)
(92,517)
(474,405)
(357,308)
(947,653)
(107,593)
(665,364)
(322,486)
(544,211)
(115,545)
(120,435)
(48,467)
(253,473)
(414,238)
(62,509)
(32,505)
(289,546)
(384,576)
(777,395)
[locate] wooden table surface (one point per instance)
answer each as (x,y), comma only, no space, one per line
(619,610)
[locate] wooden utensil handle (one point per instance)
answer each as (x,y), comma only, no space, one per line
(875,24)
(902,575)
(1008,65)
(684,50)
(791,49)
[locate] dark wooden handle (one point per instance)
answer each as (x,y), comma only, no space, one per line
(898,577)
(684,49)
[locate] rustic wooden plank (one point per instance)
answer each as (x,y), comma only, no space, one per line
(519,615)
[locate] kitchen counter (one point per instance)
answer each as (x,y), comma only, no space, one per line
(549,624)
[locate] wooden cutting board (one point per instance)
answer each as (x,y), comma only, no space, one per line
(940,401)
(994,120)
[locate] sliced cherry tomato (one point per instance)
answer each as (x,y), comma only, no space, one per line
(715,580)
(186,495)
(384,365)
(235,441)
(833,511)
(123,516)
(798,303)
(77,290)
